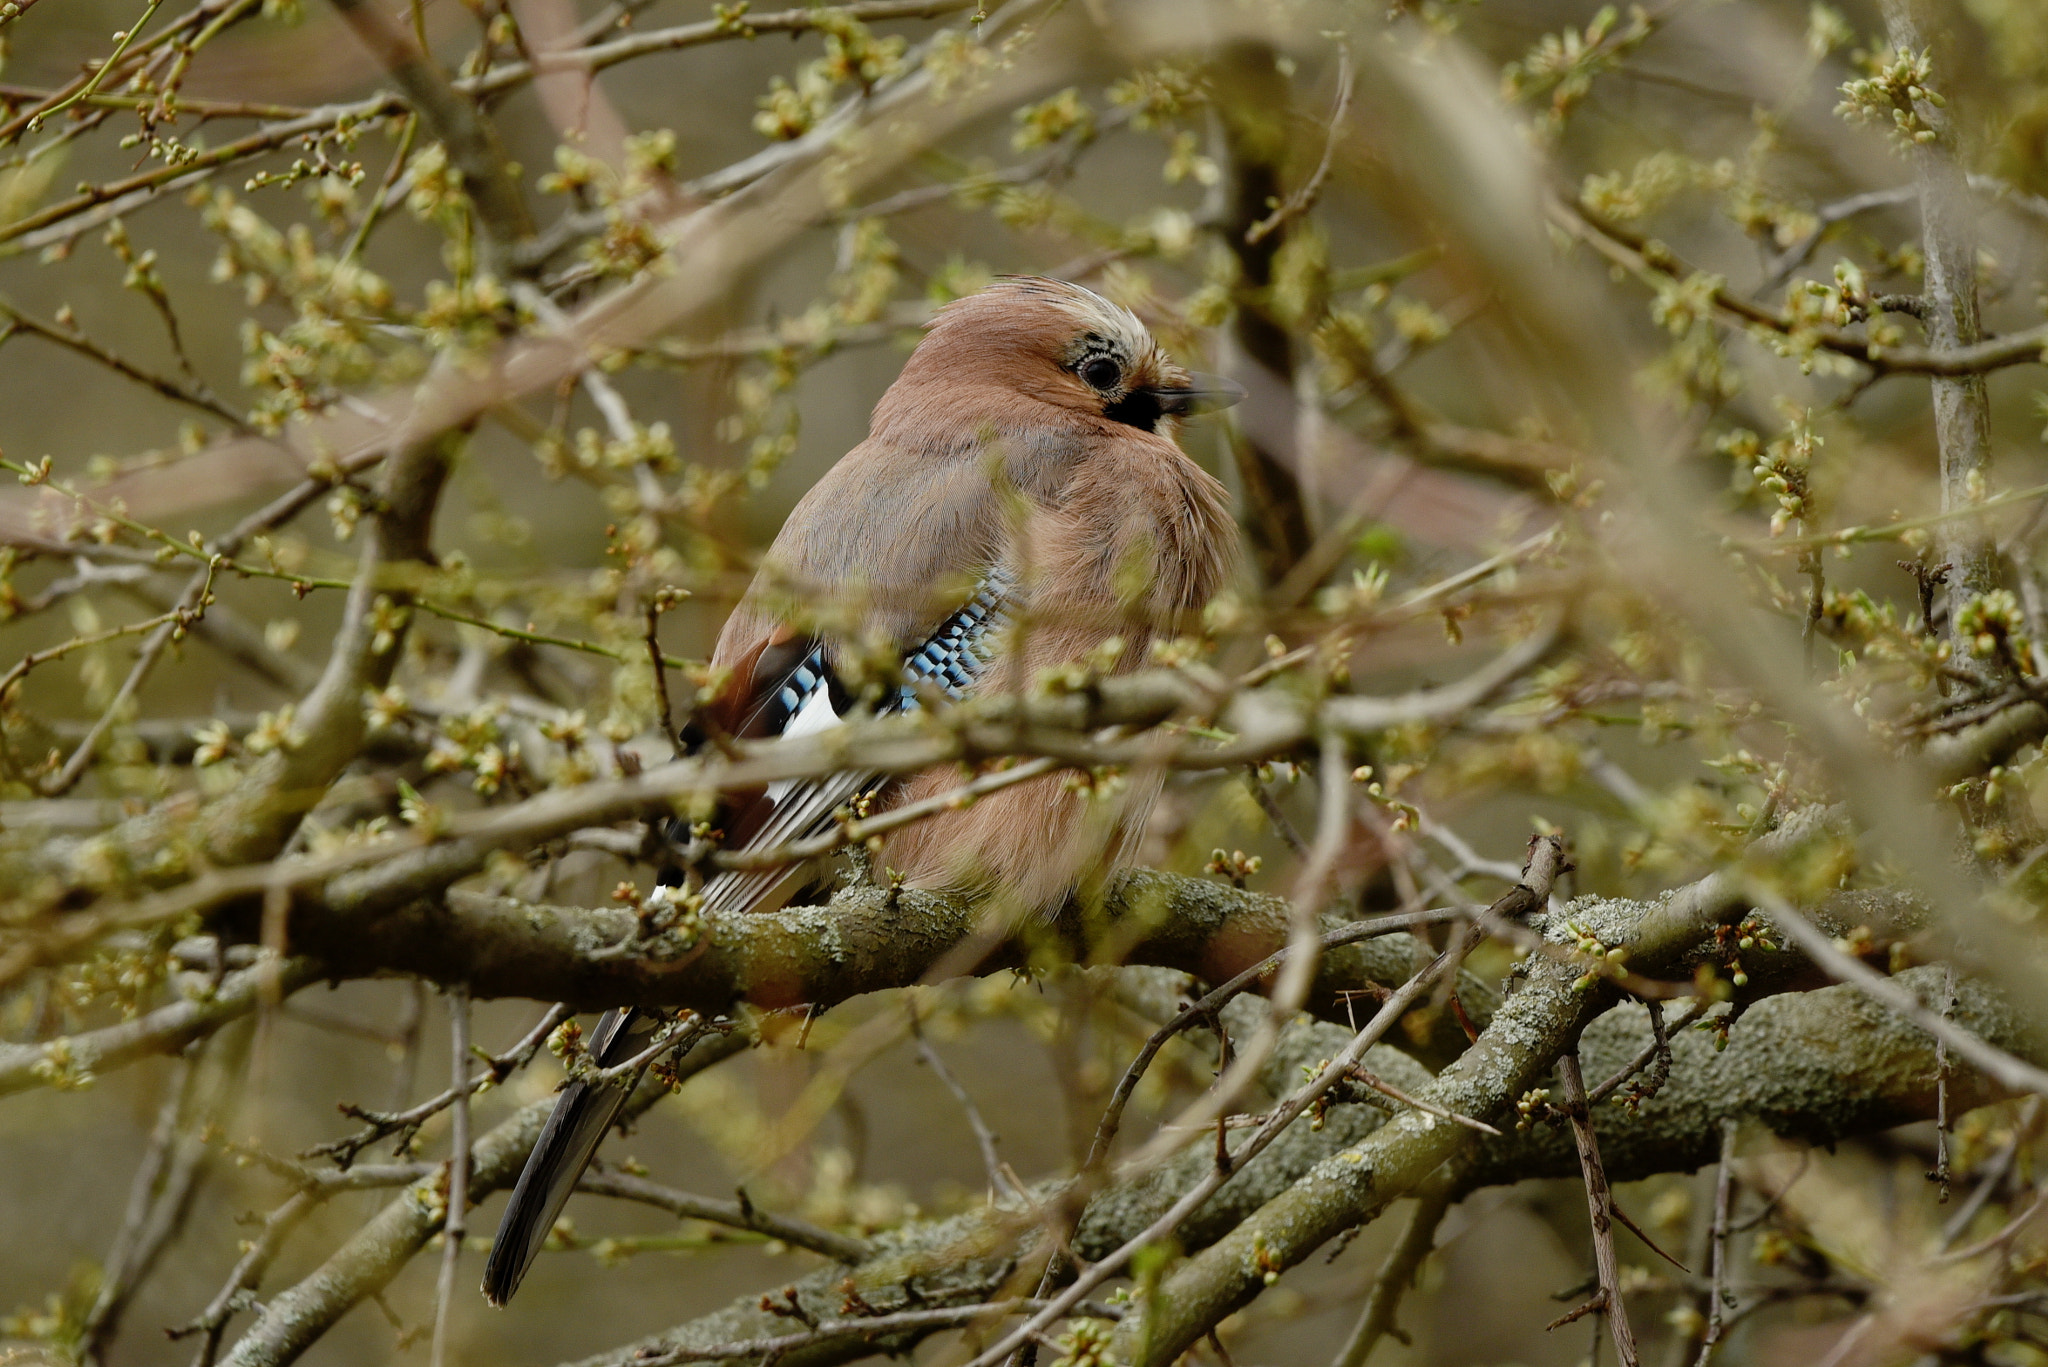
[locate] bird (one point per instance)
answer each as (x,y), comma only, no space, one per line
(1020,503)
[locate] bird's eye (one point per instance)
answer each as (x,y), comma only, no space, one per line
(1102,373)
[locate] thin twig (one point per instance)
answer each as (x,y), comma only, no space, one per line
(1275,814)
(1304,198)
(1718,1298)
(1388,1089)
(1396,1275)
(455,1225)
(1995,1175)
(1940,1172)
(1206,1008)
(677,1035)
(1659,1049)
(745,1215)
(195,396)
(161,1195)
(2004,1236)
(984,1137)
(1600,1208)
(406,1122)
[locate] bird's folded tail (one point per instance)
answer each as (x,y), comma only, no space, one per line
(582,1114)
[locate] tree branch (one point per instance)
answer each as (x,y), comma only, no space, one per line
(295,1319)
(454,120)
(1962,408)
(1862,1070)
(76,1059)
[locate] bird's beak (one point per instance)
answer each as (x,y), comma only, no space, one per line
(1201,394)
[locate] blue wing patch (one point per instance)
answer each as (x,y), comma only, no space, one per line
(811,699)
(954,656)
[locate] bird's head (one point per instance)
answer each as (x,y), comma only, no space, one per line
(1061,344)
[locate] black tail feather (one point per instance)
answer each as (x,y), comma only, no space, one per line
(566,1145)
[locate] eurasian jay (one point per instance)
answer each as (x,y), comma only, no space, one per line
(1025,453)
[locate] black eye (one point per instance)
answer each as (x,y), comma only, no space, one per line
(1101,373)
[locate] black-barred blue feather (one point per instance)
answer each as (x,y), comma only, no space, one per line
(954,656)
(812,699)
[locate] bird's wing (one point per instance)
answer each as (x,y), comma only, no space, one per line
(810,698)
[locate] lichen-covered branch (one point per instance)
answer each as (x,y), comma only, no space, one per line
(1551,1001)
(74,1059)
(1817,1067)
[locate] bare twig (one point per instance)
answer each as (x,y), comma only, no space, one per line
(1940,1173)
(1303,199)
(1994,1176)
(1600,1208)
(984,1137)
(2005,1235)
(1658,1051)
(734,1214)
(456,1223)
(678,1034)
(191,395)
(407,1122)
(167,1182)
(1396,1275)
(1275,814)
(1389,1090)
(1718,1298)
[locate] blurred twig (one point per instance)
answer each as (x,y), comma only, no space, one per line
(452,119)
(1395,1276)
(1299,203)
(455,1223)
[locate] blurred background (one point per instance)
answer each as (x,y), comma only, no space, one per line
(1131,150)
